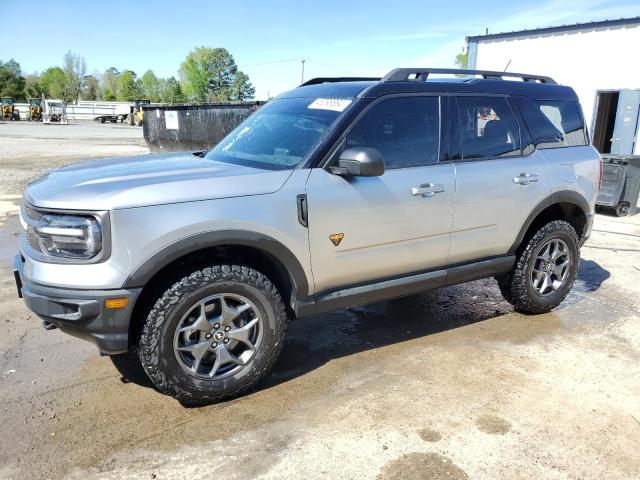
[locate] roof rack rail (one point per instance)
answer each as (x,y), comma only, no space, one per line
(318,80)
(421,74)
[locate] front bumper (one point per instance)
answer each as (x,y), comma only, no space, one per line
(81,313)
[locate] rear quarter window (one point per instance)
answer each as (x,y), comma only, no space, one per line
(552,123)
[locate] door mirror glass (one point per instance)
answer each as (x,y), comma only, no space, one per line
(360,162)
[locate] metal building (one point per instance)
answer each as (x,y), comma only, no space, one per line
(598,59)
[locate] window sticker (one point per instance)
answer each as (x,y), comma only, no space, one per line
(335,104)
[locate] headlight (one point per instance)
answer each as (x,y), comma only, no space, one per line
(64,235)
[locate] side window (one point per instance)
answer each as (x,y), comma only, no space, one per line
(406,131)
(553,124)
(566,117)
(488,128)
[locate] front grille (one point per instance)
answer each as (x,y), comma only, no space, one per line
(30,213)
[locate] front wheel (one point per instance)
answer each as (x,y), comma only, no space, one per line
(213,335)
(544,271)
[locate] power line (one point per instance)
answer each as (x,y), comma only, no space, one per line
(273,63)
(330,66)
(303,59)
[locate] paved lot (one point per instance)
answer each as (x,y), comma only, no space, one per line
(451,384)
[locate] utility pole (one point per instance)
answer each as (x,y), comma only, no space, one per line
(303,60)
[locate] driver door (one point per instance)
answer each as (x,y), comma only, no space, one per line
(366,229)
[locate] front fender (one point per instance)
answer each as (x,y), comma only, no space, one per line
(164,257)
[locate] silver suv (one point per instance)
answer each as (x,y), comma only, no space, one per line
(338,193)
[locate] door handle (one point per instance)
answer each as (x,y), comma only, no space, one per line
(526,178)
(427,189)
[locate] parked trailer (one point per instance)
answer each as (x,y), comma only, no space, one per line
(170,128)
(86,110)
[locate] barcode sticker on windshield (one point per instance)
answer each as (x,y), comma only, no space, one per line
(335,104)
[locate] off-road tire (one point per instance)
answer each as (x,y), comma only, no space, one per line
(156,352)
(516,286)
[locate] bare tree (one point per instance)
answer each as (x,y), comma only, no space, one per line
(75,67)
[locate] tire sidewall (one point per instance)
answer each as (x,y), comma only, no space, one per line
(168,362)
(554,298)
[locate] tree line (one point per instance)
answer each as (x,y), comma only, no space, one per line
(206,75)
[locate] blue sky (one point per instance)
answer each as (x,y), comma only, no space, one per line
(268,39)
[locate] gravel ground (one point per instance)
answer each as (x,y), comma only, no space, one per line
(450,384)
(28,150)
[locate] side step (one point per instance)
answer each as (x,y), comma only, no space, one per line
(402,286)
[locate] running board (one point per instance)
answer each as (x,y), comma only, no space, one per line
(402,286)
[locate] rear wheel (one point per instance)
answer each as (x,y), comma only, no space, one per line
(622,209)
(544,271)
(213,335)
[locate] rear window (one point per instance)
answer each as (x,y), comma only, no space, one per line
(553,124)
(489,128)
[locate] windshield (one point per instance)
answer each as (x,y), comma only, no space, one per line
(281,134)
(7,101)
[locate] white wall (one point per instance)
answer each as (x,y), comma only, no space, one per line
(588,60)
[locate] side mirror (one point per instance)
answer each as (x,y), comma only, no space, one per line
(360,162)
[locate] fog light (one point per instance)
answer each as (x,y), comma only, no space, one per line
(116,303)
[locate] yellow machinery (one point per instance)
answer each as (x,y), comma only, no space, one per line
(35,109)
(9,111)
(136,114)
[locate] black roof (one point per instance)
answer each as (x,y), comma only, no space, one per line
(621,22)
(338,88)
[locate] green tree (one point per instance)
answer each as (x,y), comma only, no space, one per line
(32,87)
(241,88)
(91,88)
(462,59)
(55,84)
(128,87)
(171,91)
(151,86)
(11,80)
(209,74)
(110,83)
(75,68)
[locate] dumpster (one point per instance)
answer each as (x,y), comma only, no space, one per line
(620,183)
(173,128)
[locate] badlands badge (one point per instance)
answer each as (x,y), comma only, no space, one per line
(336,238)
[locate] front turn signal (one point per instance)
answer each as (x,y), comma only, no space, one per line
(116,303)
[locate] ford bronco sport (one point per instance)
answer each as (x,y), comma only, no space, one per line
(338,193)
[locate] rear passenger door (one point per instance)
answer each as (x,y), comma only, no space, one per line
(498,180)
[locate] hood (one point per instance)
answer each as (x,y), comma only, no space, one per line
(148,180)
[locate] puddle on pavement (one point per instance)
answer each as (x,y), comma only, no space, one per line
(421,466)
(9,228)
(493,425)
(109,406)
(429,435)
(123,412)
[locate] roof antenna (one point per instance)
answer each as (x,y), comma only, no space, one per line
(486,30)
(508,63)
